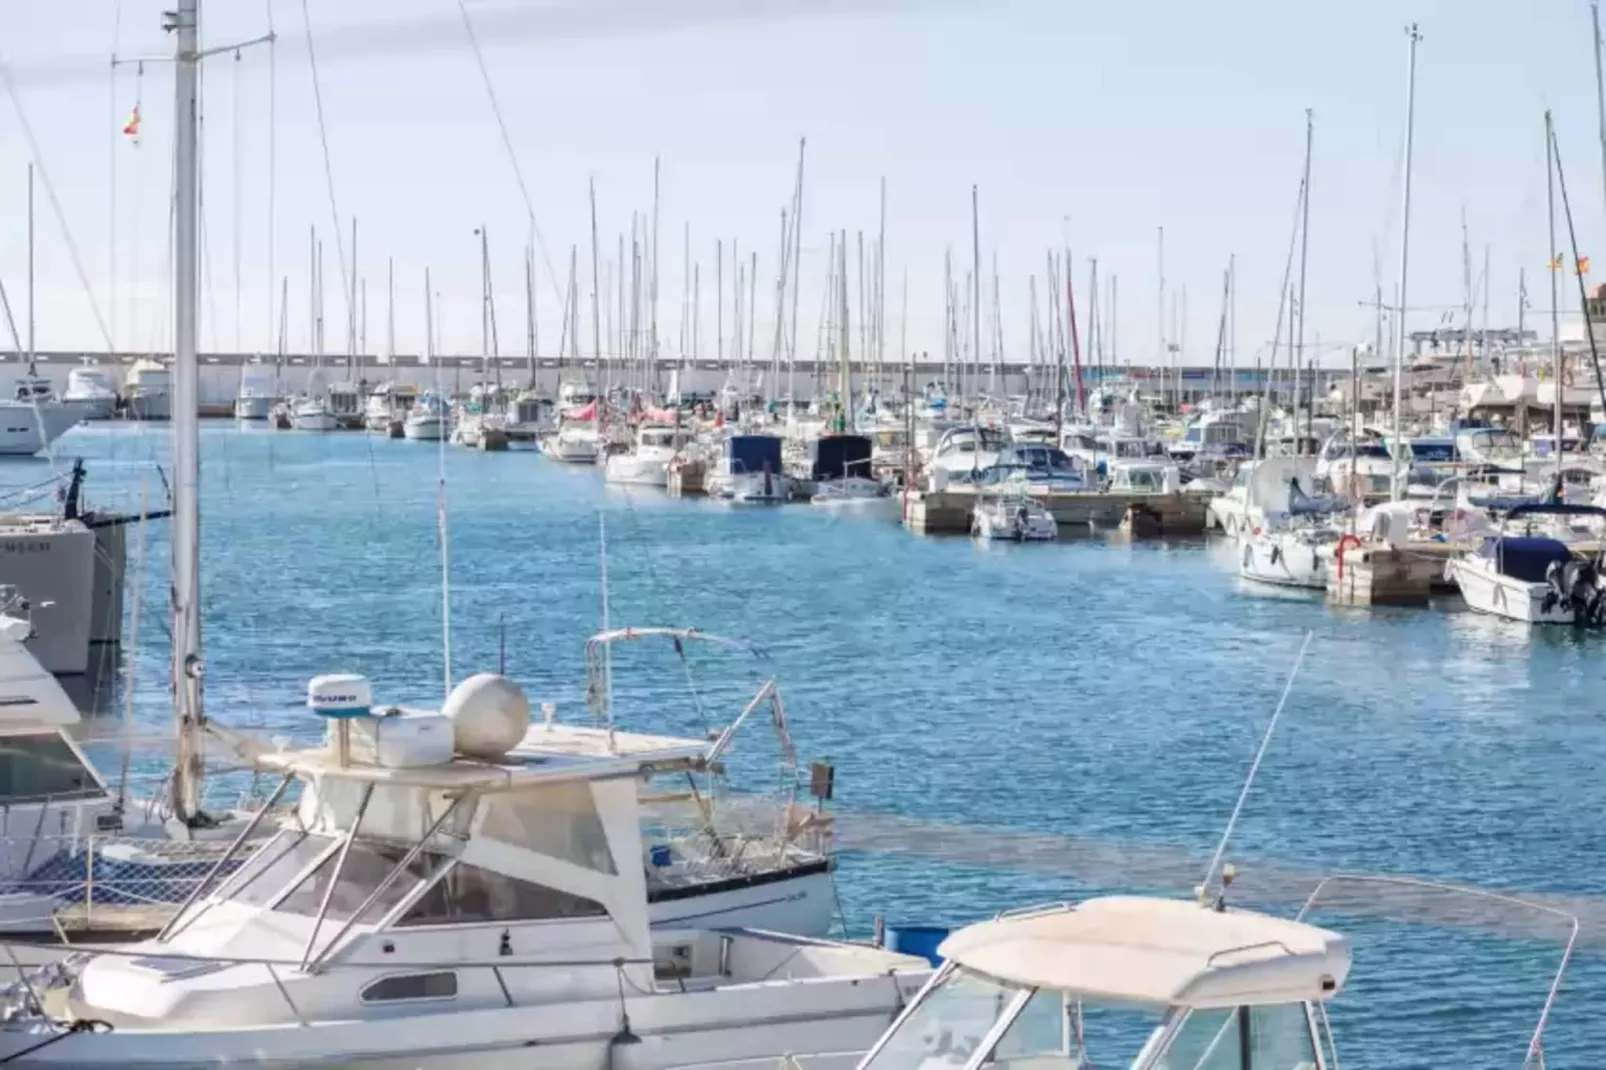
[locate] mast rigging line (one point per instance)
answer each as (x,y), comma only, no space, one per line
(512,156)
(55,202)
(328,167)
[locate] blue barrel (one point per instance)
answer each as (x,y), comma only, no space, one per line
(921,940)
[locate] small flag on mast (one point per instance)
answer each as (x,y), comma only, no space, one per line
(131,128)
(1583,265)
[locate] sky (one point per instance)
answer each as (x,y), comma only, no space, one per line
(1079,124)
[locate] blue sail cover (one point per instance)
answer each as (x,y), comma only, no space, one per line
(1302,504)
(753,453)
(836,456)
(1525,558)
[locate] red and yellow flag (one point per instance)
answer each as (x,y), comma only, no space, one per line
(131,128)
(1583,265)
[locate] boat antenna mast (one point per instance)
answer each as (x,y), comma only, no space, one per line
(1218,899)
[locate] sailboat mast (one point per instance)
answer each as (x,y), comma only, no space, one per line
(1398,483)
(187,694)
(1556,262)
(596,285)
(847,363)
(1600,97)
(975,289)
(31,349)
(1304,256)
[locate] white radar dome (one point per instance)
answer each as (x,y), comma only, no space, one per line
(489,715)
(340,695)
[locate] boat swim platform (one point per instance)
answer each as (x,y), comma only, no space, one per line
(948,512)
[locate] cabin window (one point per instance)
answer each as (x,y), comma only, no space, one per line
(467,894)
(1207,1040)
(439,985)
(1280,1038)
(366,867)
(43,767)
(947,1026)
(559,820)
(1039,1029)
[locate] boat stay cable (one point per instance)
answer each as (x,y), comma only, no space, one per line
(1254,768)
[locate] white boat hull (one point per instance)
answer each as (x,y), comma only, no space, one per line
(27,429)
(1283,562)
(803,905)
(428,429)
(150,405)
(630,470)
(253,407)
(313,420)
(92,406)
(1487,591)
(1014,524)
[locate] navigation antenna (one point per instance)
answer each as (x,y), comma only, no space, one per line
(1228,872)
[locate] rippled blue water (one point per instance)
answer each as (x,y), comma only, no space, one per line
(1102,690)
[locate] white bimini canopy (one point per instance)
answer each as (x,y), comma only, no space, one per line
(1164,952)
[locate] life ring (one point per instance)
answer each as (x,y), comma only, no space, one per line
(1343,544)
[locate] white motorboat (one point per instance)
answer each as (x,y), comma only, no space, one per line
(29,427)
(257,393)
(148,390)
(93,392)
(858,496)
(533,414)
(967,449)
(313,414)
(421,909)
(388,404)
(1533,579)
(647,464)
(1013,516)
(428,419)
(749,470)
(574,442)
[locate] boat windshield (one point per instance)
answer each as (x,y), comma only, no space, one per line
(283,863)
(659,436)
(947,1028)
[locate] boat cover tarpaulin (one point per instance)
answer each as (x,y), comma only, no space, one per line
(753,453)
(583,414)
(1526,558)
(659,416)
(837,456)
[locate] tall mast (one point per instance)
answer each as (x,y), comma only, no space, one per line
(797,253)
(187,695)
(650,378)
(975,290)
(1160,299)
(31,349)
(1304,250)
(847,362)
(1556,264)
(1398,482)
(596,285)
(529,311)
(390,309)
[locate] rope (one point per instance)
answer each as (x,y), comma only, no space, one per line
(55,203)
(77,1025)
(507,145)
(328,167)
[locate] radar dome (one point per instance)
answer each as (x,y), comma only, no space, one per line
(489,715)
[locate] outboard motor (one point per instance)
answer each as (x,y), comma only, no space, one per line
(1577,585)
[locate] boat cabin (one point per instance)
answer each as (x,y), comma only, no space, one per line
(1144,477)
(1155,984)
(751,454)
(840,457)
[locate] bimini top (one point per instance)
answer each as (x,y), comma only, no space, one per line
(1163,952)
(547,754)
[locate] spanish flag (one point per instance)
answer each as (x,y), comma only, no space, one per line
(1556,262)
(1583,265)
(131,128)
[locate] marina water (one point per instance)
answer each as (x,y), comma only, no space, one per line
(1009,724)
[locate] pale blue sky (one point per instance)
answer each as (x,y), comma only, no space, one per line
(1118,117)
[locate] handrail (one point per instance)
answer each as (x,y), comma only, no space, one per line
(223,860)
(1210,960)
(1535,1042)
(505,962)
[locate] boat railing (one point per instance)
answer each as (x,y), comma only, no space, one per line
(1412,900)
(26,1001)
(100,882)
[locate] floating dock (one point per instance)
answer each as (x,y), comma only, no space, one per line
(948,512)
